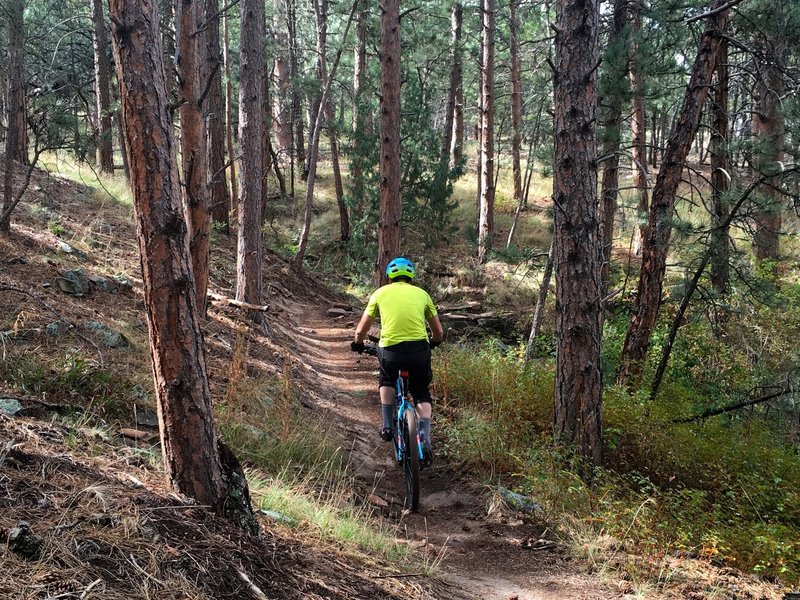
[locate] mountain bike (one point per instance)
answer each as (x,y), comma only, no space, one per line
(407,446)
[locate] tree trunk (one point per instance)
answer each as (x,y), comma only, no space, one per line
(315,97)
(457,82)
(297,109)
(281,106)
(391,202)
(721,174)
(691,287)
(659,229)
(769,130)
(192,76)
(220,198)
(439,186)
(486,219)
(105,148)
(616,66)
(638,132)
(16,134)
(578,384)
(313,151)
(359,110)
(654,139)
(226,58)
(344,217)
(516,101)
(266,146)
(541,301)
(251,124)
(188,437)
(123,147)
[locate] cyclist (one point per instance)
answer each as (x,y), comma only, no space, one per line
(403,310)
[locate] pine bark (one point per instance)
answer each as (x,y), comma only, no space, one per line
(191,69)
(226,59)
(486,218)
(188,437)
(541,302)
(281,106)
(578,384)
(617,65)
(297,108)
(123,147)
(769,131)
(16,133)
(220,198)
(251,124)
(659,228)
(102,69)
(457,82)
(449,115)
(516,102)
(338,184)
(359,110)
(720,175)
(638,132)
(391,202)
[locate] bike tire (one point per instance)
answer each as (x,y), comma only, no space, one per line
(411,459)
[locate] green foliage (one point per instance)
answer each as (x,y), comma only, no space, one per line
(724,488)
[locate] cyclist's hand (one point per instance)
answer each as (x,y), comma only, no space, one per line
(434,344)
(357,347)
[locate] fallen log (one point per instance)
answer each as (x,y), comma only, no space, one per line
(238,303)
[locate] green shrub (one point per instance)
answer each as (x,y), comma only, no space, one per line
(725,488)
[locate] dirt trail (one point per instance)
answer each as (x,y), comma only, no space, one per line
(486,556)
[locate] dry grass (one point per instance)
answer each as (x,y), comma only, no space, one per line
(109,528)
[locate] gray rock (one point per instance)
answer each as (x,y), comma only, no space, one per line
(111,338)
(146,418)
(123,282)
(519,502)
(277,517)
(336,312)
(10,406)
(57,328)
(67,249)
(74,282)
(25,543)
(102,283)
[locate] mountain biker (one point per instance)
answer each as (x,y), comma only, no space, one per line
(403,310)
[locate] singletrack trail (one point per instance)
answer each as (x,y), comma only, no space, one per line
(481,555)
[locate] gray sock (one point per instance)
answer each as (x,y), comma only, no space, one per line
(425,428)
(388,415)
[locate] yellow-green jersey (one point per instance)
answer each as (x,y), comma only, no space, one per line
(403,310)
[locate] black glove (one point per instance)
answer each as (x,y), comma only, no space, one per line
(357,347)
(434,344)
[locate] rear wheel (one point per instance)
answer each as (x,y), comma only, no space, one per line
(411,459)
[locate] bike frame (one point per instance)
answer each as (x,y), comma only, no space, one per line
(401,404)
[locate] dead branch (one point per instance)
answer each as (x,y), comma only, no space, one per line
(238,303)
(737,406)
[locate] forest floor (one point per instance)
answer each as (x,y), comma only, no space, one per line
(105,525)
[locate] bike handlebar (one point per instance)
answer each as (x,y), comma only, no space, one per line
(373,350)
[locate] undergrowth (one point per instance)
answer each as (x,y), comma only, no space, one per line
(724,489)
(297,474)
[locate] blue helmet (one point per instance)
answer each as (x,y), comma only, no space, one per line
(400,266)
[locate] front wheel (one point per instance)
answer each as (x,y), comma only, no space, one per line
(411,459)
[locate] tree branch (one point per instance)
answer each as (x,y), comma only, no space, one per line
(739,405)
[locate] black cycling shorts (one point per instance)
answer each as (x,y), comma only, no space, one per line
(414,357)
